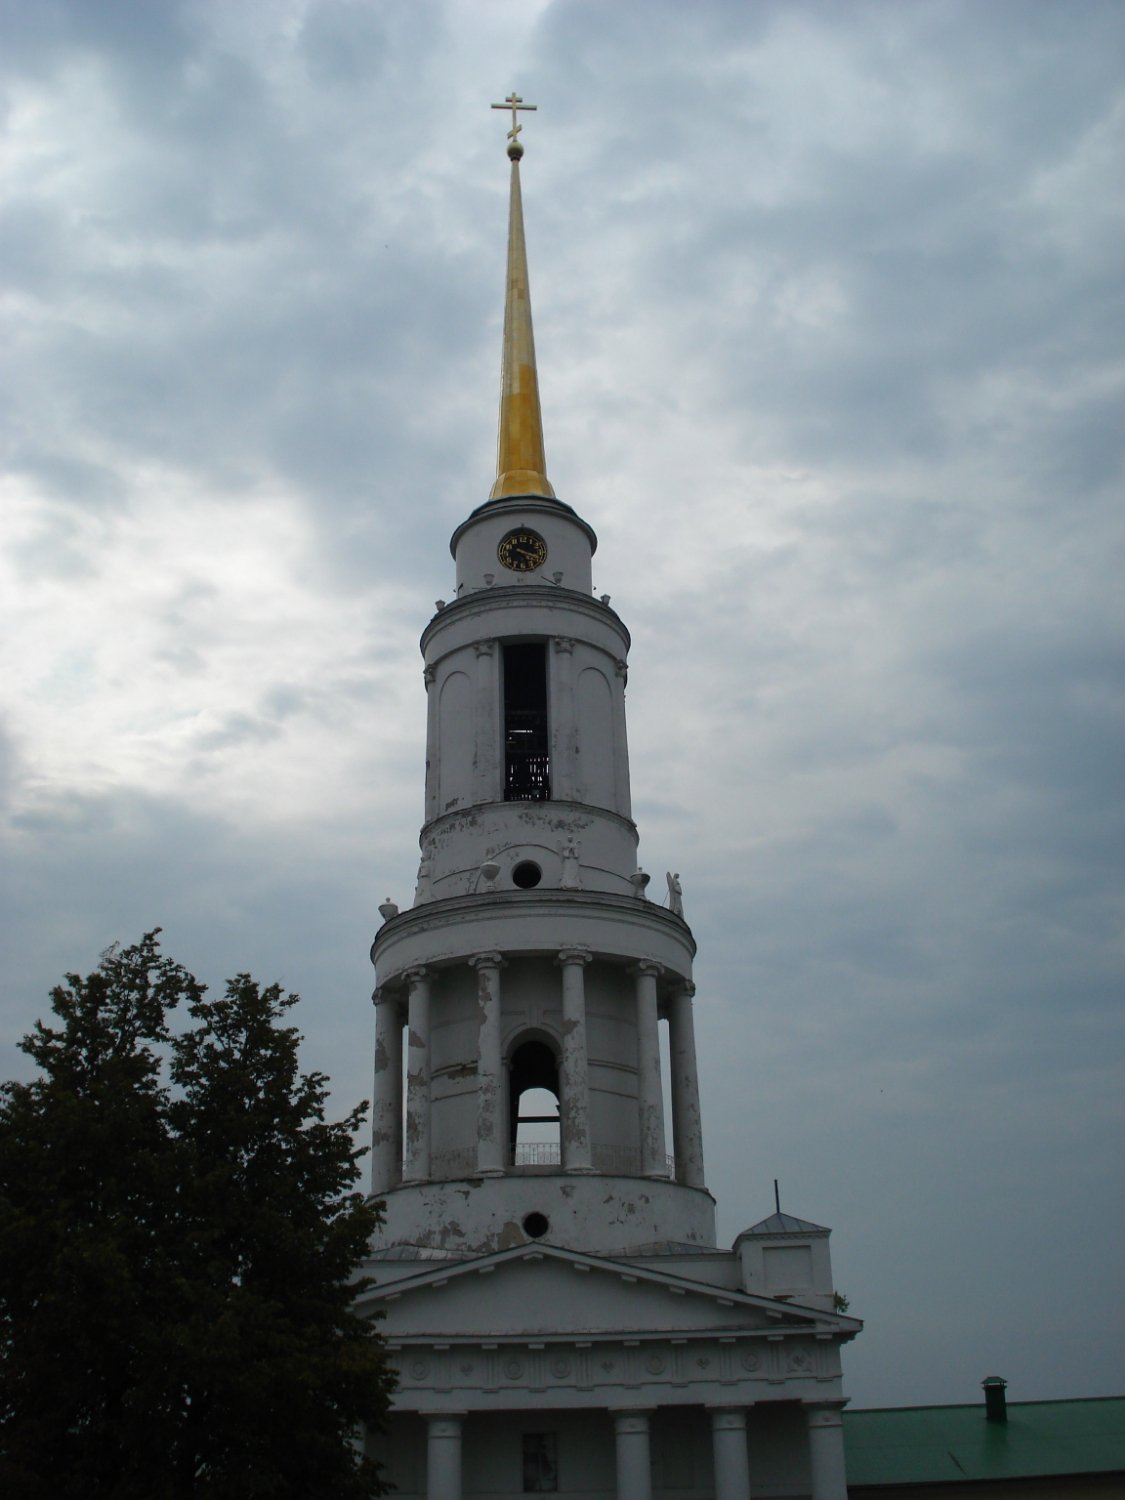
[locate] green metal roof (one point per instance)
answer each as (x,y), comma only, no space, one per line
(931,1444)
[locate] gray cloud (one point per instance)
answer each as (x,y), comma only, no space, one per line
(825,307)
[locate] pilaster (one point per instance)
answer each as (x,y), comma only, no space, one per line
(429,676)
(621,741)
(487,775)
(565,732)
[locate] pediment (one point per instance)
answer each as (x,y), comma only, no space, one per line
(539,1291)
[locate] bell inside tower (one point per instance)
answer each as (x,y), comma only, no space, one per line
(526,760)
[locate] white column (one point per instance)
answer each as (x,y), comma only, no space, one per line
(443,1456)
(487,780)
(492,1113)
(386,1121)
(731,1457)
(634,1465)
(417,1166)
(687,1133)
(575,1080)
(826,1451)
(650,1093)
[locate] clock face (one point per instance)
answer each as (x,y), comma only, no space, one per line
(522,551)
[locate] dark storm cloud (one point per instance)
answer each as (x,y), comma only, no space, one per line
(934,245)
(229,900)
(199,263)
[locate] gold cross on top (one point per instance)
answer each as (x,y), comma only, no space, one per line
(514,102)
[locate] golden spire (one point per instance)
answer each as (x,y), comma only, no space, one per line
(521,467)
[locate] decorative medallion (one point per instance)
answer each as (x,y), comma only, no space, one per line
(513,1368)
(750,1360)
(419,1369)
(560,1367)
(655,1364)
(799,1359)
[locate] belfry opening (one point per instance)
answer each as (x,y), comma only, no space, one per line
(533,1071)
(527,770)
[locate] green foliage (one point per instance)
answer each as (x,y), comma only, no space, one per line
(178,1243)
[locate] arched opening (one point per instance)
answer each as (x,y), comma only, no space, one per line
(533,1105)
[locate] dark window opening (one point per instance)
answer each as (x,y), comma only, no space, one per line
(527,875)
(540,1463)
(526,768)
(536,1225)
(534,1070)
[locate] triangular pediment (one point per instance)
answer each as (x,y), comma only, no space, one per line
(536,1291)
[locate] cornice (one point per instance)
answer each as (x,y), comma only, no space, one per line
(555,806)
(516,596)
(449,910)
(523,505)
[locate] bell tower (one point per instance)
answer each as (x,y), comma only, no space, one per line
(531,957)
(559,1314)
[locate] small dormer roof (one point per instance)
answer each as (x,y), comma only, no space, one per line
(784,1224)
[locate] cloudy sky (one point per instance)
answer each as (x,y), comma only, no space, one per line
(828,312)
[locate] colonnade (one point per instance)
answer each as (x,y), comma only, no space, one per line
(632,1427)
(395,1160)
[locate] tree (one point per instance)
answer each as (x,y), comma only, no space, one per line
(178,1246)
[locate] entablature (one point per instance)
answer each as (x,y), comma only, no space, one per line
(645,1369)
(621,928)
(528,610)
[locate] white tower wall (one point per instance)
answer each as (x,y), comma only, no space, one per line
(531,942)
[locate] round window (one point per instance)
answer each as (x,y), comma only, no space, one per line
(527,875)
(535,1226)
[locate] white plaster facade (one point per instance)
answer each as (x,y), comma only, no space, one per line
(562,1320)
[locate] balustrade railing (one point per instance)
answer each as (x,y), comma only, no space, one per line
(538,1154)
(620,1161)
